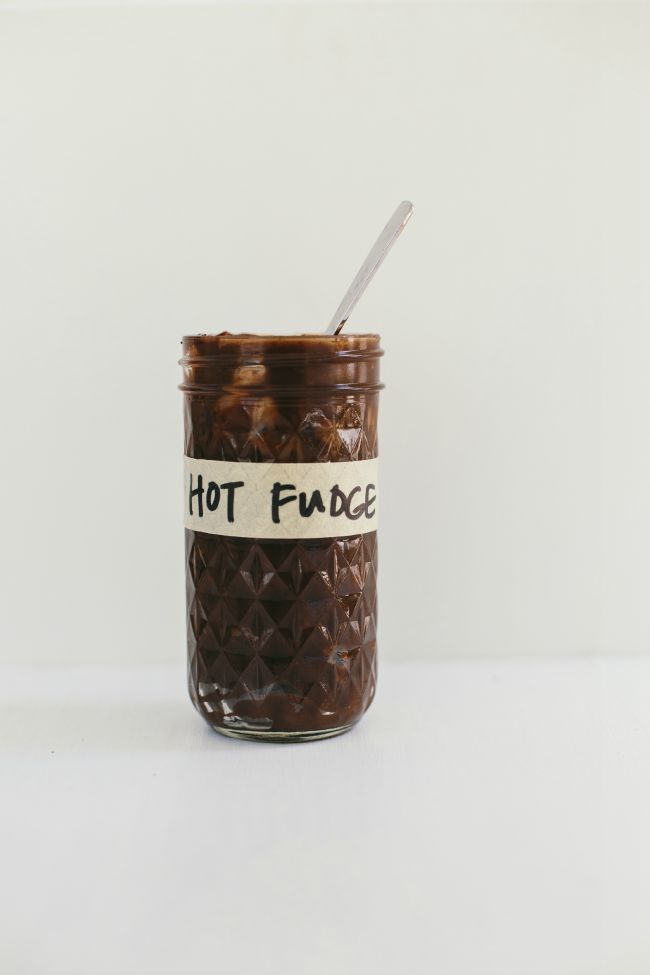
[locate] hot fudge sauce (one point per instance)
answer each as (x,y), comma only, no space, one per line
(281,503)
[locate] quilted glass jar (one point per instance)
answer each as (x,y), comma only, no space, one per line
(280,531)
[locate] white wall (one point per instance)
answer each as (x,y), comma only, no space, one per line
(168,170)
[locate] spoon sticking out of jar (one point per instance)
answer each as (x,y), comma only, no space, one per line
(371,265)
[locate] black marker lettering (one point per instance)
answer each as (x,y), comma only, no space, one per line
(338,505)
(354,513)
(197,493)
(277,502)
(370,501)
(307,507)
(212,496)
(231,487)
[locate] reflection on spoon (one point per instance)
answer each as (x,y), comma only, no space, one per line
(368,269)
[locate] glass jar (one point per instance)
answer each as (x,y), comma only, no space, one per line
(280,531)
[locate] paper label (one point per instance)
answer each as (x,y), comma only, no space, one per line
(281,500)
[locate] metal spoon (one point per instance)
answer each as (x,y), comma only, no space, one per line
(369,268)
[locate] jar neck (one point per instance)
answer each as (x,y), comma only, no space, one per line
(281,365)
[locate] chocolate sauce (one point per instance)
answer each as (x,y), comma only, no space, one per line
(282,630)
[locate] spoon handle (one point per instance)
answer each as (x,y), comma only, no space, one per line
(368,269)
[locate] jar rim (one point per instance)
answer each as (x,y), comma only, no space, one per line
(247,343)
(227,348)
(245,338)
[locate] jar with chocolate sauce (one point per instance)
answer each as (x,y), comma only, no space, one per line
(281,507)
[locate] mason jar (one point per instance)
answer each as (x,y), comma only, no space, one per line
(281,508)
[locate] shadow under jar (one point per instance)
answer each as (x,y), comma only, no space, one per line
(280,531)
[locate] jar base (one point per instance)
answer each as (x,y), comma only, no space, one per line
(282,737)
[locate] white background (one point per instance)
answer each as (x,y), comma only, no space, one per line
(170,169)
(487,817)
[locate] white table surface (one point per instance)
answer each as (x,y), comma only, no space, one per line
(485,817)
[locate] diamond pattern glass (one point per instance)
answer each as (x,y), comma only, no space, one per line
(281,634)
